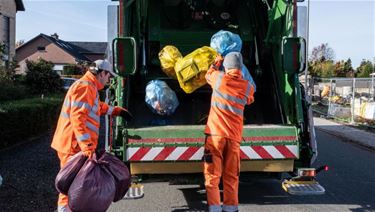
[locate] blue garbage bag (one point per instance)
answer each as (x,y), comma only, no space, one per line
(161,98)
(225,42)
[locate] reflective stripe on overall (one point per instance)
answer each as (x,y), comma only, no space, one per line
(222,145)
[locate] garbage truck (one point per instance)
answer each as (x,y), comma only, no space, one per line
(278,132)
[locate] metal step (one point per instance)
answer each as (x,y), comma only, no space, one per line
(294,187)
(135,191)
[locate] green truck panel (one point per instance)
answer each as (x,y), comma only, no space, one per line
(275,126)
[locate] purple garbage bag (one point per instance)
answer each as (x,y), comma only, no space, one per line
(120,173)
(93,189)
(67,173)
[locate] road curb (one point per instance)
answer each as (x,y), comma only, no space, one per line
(346,139)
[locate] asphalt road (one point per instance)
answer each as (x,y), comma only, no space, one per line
(28,172)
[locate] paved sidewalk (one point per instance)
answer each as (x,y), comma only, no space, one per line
(352,134)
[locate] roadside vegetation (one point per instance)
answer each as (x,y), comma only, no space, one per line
(322,64)
(30,103)
(339,98)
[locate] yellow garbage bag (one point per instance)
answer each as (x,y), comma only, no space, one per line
(336,99)
(363,110)
(325,91)
(168,57)
(191,69)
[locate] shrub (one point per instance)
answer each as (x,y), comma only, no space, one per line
(72,70)
(22,119)
(41,78)
(12,85)
(365,68)
(6,74)
(12,91)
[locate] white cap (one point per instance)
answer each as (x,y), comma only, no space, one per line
(103,65)
(233,60)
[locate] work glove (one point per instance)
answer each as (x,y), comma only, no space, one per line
(217,62)
(88,153)
(119,111)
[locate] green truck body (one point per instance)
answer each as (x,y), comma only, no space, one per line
(278,134)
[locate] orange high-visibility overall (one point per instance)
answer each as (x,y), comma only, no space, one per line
(78,125)
(230,94)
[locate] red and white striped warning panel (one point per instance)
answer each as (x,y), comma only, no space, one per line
(196,153)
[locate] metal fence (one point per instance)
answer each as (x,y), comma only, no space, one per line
(348,99)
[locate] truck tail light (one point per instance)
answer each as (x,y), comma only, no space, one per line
(310,172)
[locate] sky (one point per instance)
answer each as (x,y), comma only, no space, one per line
(72,20)
(348,26)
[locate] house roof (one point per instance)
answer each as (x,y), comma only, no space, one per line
(74,48)
(66,46)
(89,47)
(19,5)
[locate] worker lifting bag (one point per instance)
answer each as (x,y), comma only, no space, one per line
(168,57)
(225,42)
(191,70)
(68,172)
(94,188)
(120,173)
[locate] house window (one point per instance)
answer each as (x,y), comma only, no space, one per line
(41,48)
(6,37)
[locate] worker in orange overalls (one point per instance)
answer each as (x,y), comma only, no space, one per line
(230,94)
(78,126)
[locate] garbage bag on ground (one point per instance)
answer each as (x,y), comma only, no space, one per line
(325,91)
(339,111)
(94,188)
(161,98)
(225,42)
(368,110)
(168,57)
(120,173)
(191,70)
(67,173)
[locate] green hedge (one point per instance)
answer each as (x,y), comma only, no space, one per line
(23,119)
(13,91)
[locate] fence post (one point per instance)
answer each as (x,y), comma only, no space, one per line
(353,97)
(372,86)
(329,99)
